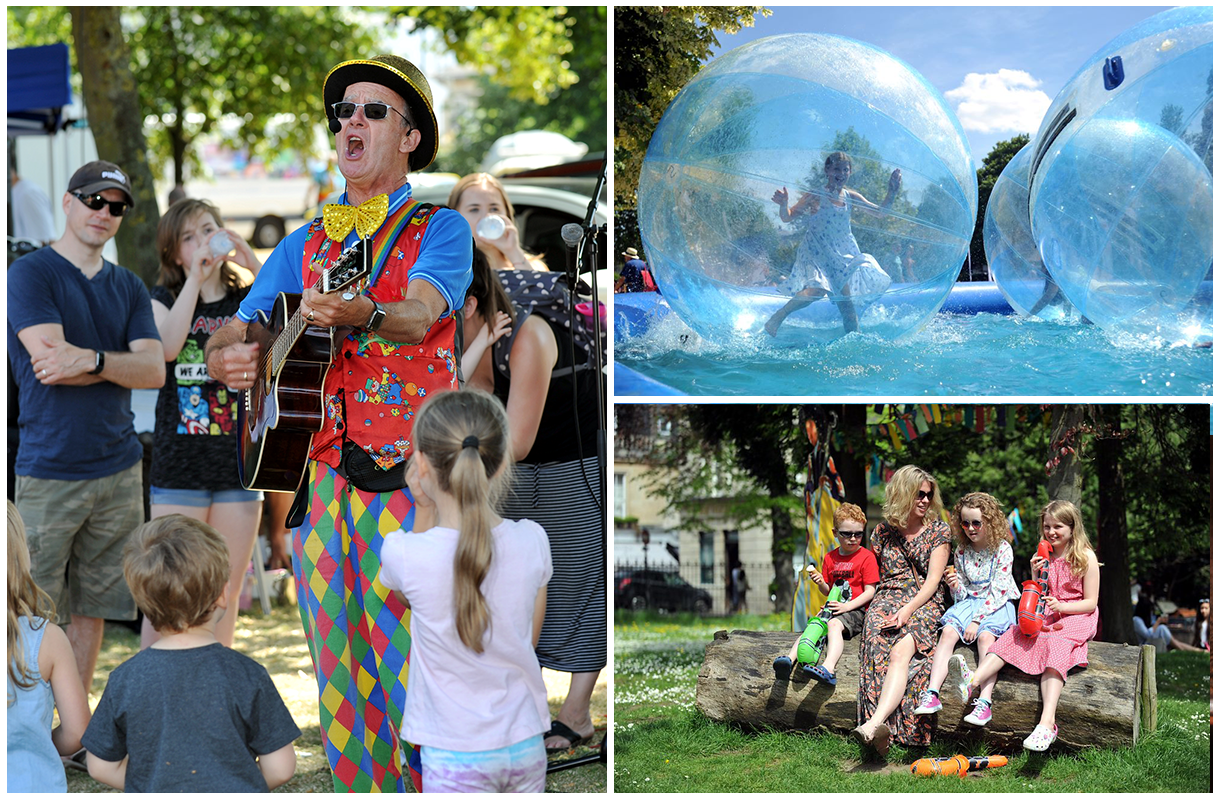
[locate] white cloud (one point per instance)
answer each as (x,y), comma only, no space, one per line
(1004,101)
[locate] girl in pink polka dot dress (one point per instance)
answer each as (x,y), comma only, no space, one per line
(1071,620)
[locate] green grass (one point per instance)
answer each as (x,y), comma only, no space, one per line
(662,744)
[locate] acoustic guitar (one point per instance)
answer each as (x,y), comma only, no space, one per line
(278,416)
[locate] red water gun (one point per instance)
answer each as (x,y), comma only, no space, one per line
(956,765)
(1032,609)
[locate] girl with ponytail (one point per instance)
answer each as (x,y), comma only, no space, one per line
(476,587)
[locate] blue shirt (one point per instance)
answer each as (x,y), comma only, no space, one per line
(74,433)
(445,257)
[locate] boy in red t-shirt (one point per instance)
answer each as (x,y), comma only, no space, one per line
(858,566)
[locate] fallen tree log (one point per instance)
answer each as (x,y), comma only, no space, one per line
(1107,704)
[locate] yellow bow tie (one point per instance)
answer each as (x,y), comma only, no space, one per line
(366,218)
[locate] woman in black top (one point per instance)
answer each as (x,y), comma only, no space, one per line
(194,461)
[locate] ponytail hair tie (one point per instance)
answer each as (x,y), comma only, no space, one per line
(470,441)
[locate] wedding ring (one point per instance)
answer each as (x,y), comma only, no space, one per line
(44,373)
(245,376)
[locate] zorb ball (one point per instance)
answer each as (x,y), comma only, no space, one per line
(763,119)
(1121,184)
(1012,254)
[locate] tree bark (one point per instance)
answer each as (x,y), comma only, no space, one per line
(1108,704)
(117,122)
(851,466)
(781,559)
(1115,596)
(1064,481)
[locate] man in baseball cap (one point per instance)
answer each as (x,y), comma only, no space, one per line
(81,336)
(97,176)
(399,336)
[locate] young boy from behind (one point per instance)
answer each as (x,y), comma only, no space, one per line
(188,714)
(851,562)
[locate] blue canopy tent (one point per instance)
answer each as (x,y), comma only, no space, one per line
(38,89)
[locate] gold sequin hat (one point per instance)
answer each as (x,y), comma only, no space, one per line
(400,75)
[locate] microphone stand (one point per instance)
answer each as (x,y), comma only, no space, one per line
(588,258)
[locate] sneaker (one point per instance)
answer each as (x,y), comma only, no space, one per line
(981,714)
(963,687)
(929,703)
(783,668)
(1041,738)
(75,761)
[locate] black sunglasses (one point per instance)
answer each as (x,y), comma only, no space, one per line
(95,201)
(345,110)
(922,495)
(850,534)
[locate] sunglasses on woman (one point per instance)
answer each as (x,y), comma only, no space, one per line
(95,201)
(922,495)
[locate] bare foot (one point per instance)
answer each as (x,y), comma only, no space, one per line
(772,326)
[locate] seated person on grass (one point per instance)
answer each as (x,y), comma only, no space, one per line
(187,714)
(856,565)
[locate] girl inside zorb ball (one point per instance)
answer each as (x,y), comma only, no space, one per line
(806,186)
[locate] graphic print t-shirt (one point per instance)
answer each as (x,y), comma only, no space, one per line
(859,570)
(194,445)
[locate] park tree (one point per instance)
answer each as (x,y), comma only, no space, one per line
(657,51)
(557,83)
(988,174)
(110,93)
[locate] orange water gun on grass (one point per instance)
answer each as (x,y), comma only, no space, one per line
(956,765)
(1031,611)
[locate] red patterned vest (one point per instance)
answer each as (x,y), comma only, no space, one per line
(375,386)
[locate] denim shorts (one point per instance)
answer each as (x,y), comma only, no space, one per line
(200,498)
(961,613)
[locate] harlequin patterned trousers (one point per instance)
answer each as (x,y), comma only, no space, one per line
(357,630)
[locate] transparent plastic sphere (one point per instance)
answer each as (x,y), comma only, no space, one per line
(743,206)
(1121,186)
(1012,254)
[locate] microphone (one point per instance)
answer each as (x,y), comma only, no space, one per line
(572,234)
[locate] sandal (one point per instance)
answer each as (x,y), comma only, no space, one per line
(574,739)
(821,674)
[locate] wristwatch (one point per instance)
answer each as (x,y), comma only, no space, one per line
(378,317)
(101,363)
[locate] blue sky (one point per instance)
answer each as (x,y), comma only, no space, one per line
(999,67)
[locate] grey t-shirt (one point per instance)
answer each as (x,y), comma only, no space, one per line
(190,720)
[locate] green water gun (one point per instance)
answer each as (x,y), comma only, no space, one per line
(809,649)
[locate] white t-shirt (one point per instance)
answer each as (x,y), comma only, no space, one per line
(458,699)
(32,218)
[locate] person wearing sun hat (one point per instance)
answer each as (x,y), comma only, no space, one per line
(633,279)
(397,349)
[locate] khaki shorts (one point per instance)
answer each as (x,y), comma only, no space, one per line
(80,527)
(853,623)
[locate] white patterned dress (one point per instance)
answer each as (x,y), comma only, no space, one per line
(829,257)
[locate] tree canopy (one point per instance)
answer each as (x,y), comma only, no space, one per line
(657,50)
(988,174)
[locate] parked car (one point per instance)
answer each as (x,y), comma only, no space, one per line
(651,588)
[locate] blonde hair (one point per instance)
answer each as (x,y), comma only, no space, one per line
(486,181)
(902,492)
(464,437)
(850,511)
(995,524)
(176,567)
(1079,546)
(25,599)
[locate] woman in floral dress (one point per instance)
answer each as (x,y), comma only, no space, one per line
(901,624)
